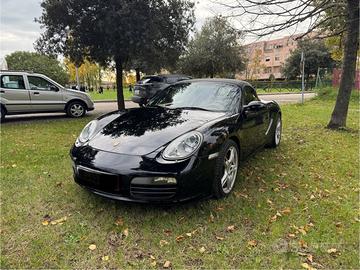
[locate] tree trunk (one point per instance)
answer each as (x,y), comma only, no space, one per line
(338,117)
(119,83)
(137,74)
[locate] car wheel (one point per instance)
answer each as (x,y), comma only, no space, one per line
(226,169)
(76,109)
(276,134)
(2,113)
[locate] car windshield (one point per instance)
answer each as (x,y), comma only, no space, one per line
(212,96)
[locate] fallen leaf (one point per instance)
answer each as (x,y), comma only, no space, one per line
(230,228)
(126,232)
(58,221)
(45,222)
(179,238)
(252,243)
(152,257)
(202,250)
(105,258)
(309,257)
(14,165)
(307,266)
(302,243)
(219,238)
(269,202)
(291,235)
(332,250)
(163,243)
(286,210)
(119,221)
(211,218)
(153,263)
(92,247)
(302,231)
(167,264)
(188,234)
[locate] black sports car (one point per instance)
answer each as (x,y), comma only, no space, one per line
(186,143)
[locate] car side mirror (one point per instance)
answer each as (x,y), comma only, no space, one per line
(253,105)
(54,88)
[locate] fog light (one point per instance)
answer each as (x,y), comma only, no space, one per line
(164,180)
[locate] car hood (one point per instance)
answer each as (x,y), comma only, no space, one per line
(141,131)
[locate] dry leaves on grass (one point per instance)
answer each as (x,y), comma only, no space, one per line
(48,220)
(119,221)
(230,228)
(252,243)
(105,258)
(167,264)
(92,247)
(163,243)
(202,250)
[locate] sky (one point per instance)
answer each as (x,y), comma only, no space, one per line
(18,30)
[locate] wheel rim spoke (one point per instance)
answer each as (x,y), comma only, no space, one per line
(230,169)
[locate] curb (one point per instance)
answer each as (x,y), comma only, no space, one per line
(284,93)
(108,100)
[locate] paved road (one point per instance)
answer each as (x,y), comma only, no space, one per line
(104,107)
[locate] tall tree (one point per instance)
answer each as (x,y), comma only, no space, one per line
(316,55)
(38,63)
(116,30)
(337,17)
(214,51)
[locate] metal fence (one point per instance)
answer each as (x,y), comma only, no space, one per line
(288,85)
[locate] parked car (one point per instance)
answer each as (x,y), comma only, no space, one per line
(148,86)
(26,92)
(186,143)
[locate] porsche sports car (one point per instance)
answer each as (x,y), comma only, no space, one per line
(186,143)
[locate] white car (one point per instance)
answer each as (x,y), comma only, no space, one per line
(26,92)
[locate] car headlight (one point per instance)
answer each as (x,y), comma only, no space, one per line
(87,133)
(183,146)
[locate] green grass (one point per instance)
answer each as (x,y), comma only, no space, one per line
(110,94)
(314,173)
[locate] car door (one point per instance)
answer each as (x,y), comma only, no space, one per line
(44,95)
(14,94)
(253,120)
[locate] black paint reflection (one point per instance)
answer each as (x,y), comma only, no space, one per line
(137,122)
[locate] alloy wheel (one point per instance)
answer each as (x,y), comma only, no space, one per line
(231,163)
(278,132)
(76,110)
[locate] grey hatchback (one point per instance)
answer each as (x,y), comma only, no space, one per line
(26,92)
(150,85)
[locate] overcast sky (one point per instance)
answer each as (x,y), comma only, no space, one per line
(18,31)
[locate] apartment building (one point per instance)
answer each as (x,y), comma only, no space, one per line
(267,57)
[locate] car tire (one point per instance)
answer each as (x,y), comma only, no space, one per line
(275,135)
(226,169)
(76,109)
(3,113)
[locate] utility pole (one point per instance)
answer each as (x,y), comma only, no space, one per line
(302,66)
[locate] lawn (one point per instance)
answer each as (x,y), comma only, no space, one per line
(110,94)
(293,207)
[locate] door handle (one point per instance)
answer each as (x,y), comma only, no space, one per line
(36,93)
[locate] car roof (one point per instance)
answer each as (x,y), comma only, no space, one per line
(167,75)
(19,72)
(218,80)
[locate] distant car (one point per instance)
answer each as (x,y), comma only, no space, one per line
(187,142)
(26,92)
(148,86)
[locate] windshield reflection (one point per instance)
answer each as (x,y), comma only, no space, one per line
(198,95)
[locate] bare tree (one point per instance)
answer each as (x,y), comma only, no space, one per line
(332,17)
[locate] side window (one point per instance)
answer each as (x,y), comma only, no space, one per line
(249,95)
(38,83)
(12,82)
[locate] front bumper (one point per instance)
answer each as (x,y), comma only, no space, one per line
(138,99)
(132,178)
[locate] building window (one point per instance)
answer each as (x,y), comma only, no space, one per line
(277,58)
(278,46)
(267,58)
(268,70)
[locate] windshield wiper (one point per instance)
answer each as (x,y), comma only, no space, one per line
(192,108)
